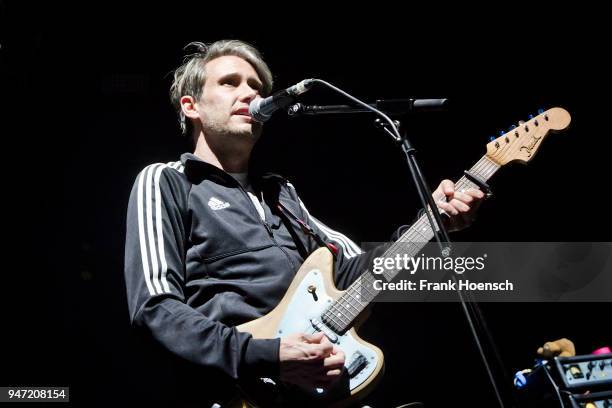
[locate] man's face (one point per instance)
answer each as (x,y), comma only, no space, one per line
(231,84)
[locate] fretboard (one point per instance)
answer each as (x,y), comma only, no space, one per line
(342,313)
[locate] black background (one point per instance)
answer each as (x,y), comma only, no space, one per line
(86,108)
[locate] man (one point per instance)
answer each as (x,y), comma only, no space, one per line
(210,246)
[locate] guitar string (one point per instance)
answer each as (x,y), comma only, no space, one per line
(340,315)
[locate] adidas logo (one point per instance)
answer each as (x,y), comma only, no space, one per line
(217,204)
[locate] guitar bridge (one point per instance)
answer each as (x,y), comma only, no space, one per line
(358,363)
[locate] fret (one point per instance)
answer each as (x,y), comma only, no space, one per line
(338,316)
(370,295)
(346,305)
(351,308)
(352,296)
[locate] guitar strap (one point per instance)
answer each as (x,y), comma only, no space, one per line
(287,216)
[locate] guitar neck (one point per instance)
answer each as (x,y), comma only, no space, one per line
(341,314)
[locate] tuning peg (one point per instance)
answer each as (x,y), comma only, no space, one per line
(511,128)
(530,116)
(540,111)
(501,133)
(492,138)
(520,122)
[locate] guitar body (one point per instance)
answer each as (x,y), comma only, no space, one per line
(311,292)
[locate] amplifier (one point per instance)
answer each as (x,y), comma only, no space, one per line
(592,371)
(577,382)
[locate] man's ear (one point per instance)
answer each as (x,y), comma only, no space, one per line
(188,106)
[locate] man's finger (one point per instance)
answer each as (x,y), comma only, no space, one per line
(460,206)
(325,341)
(333,373)
(448,208)
(334,361)
(475,193)
(325,347)
(463,196)
(313,338)
(447,187)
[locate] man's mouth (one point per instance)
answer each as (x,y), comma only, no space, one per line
(243,112)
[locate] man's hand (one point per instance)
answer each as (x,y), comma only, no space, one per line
(460,205)
(310,360)
(562,348)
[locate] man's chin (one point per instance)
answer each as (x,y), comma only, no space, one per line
(247,131)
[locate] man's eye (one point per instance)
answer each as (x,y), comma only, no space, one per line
(256,87)
(229,82)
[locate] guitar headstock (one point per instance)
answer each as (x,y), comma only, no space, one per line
(522,143)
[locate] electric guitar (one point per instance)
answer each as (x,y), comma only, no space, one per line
(313,304)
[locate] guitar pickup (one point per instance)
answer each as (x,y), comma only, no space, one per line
(318,326)
(358,363)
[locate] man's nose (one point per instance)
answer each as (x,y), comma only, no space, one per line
(248,94)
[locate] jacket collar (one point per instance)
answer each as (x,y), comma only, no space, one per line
(198,170)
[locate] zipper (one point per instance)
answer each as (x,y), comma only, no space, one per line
(266,225)
(268,228)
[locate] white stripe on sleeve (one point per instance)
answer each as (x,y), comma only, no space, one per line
(153,238)
(141,233)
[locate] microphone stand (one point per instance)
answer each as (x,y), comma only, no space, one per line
(440,233)
(444,242)
(389,106)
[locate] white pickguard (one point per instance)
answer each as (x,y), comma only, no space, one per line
(303,307)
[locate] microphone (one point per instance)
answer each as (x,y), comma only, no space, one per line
(261,109)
